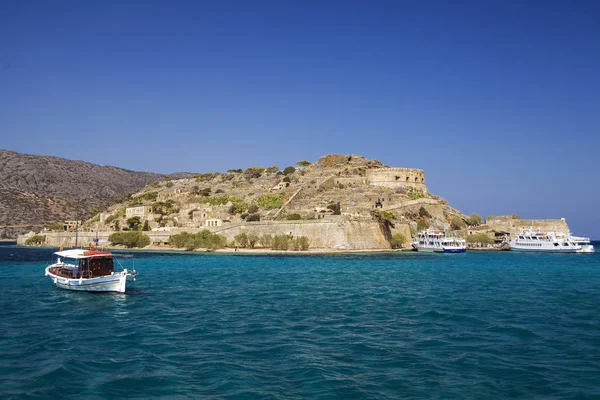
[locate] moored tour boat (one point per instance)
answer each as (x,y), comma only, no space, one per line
(88,270)
(438,242)
(553,242)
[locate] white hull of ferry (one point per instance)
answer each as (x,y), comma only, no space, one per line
(550,242)
(588,248)
(442,249)
(545,249)
(111,283)
(582,249)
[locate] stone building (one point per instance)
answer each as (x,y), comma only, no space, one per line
(144,212)
(397,177)
(213,222)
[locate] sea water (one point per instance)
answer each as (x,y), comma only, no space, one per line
(395,325)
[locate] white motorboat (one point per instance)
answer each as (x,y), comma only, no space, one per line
(88,270)
(554,242)
(438,242)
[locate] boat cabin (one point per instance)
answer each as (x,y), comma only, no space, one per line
(75,264)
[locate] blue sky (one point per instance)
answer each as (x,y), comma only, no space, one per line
(498,101)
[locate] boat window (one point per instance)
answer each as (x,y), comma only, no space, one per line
(556,244)
(521,237)
(565,244)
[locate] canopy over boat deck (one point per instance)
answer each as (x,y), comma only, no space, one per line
(78,254)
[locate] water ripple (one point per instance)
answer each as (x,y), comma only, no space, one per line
(490,325)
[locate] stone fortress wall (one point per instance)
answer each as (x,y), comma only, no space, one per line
(514,226)
(397,177)
(336,232)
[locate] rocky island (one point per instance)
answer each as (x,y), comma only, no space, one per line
(340,202)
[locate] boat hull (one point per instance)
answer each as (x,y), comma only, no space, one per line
(588,248)
(110,283)
(546,250)
(461,250)
(441,249)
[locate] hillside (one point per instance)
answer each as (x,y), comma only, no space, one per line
(38,190)
(336,189)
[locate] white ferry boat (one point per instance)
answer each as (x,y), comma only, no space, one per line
(555,242)
(438,242)
(88,270)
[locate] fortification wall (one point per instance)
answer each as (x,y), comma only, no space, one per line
(513,226)
(397,177)
(334,233)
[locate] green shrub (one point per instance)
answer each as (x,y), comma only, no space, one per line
(253,209)
(289,170)
(272,169)
(150,196)
(56,227)
(138,201)
(36,239)
(239,206)
(480,238)
(474,219)
(146,226)
(134,223)
(280,242)
(293,217)
(300,243)
(253,218)
(254,172)
(398,241)
(201,192)
(204,177)
(336,208)
(165,207)
(286,179)
(270,201)
(413,195)
(303,163)
(422,225)
(241,240)
(265,240)
(383,216)
(110,218)
(203,239)
(423,213)
(252,240)
(457,223)
(129,239)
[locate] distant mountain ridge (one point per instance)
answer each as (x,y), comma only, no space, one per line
(38,190)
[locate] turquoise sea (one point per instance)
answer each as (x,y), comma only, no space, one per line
(478,325)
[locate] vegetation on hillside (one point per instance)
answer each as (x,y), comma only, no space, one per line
(36,239)
(397,241)
(480,238)
(201,240)
(270,201)
(129,239)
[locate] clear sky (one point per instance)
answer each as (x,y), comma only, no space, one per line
(498,101)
